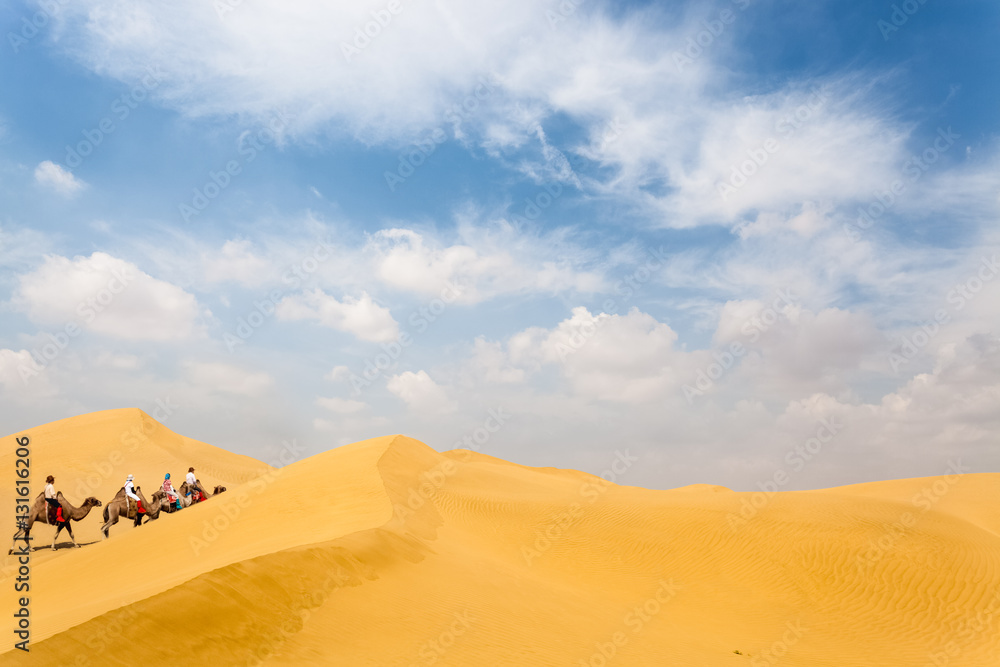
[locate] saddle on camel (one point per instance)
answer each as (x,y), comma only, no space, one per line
(54,509)
(56,515)
(133,504)
(135,509)
(194,488)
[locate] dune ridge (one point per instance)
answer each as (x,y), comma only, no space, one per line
(386,552)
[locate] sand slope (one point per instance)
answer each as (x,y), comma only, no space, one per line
(386,552)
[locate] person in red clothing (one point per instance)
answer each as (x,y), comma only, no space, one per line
(54,508)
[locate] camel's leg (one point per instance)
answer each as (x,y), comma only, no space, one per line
(69,529)
(112,520)
(27,533)
(56,536)
(13,546)
(21,531)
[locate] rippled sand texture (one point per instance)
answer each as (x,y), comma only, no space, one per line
(386,552)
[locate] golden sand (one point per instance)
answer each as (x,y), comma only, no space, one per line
(386,552)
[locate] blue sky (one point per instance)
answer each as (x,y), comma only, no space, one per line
(630,225)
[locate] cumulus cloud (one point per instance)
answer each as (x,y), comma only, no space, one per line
(106,295)
(51,175)
(480,266)
(597,104)
(341,406)
(16,369)
(338,373)
(238,262)
(670,136)
(227,378)
(420,393)
(624,358)
(361,316)
(489,362)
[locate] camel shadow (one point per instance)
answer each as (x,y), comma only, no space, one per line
(60,546)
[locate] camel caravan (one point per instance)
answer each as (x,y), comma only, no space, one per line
(52,508)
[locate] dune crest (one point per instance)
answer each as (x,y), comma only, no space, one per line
(386,552)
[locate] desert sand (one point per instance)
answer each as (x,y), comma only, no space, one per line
(386,552)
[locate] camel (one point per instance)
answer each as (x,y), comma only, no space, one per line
(118,506)
(186,488)
(39,513)
(169,507)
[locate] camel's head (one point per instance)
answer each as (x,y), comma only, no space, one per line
(153,511)
(219,489)
(92,502)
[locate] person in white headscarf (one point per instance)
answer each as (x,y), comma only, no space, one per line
(130,489)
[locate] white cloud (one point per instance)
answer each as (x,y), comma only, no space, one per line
(16,369)
(622,358)
(482,265)
(106,295)
(341,406)
(338,373)
(403,79)
(660,139)
(227,379)
(668,135)
(489,362)
(420,393)
(52,175)
(237,262)
(360,316)
(122,362)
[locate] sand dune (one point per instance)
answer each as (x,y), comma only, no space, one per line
(386,552)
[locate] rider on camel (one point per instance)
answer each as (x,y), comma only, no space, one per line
(131,495)
(172,495)
(54,508)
